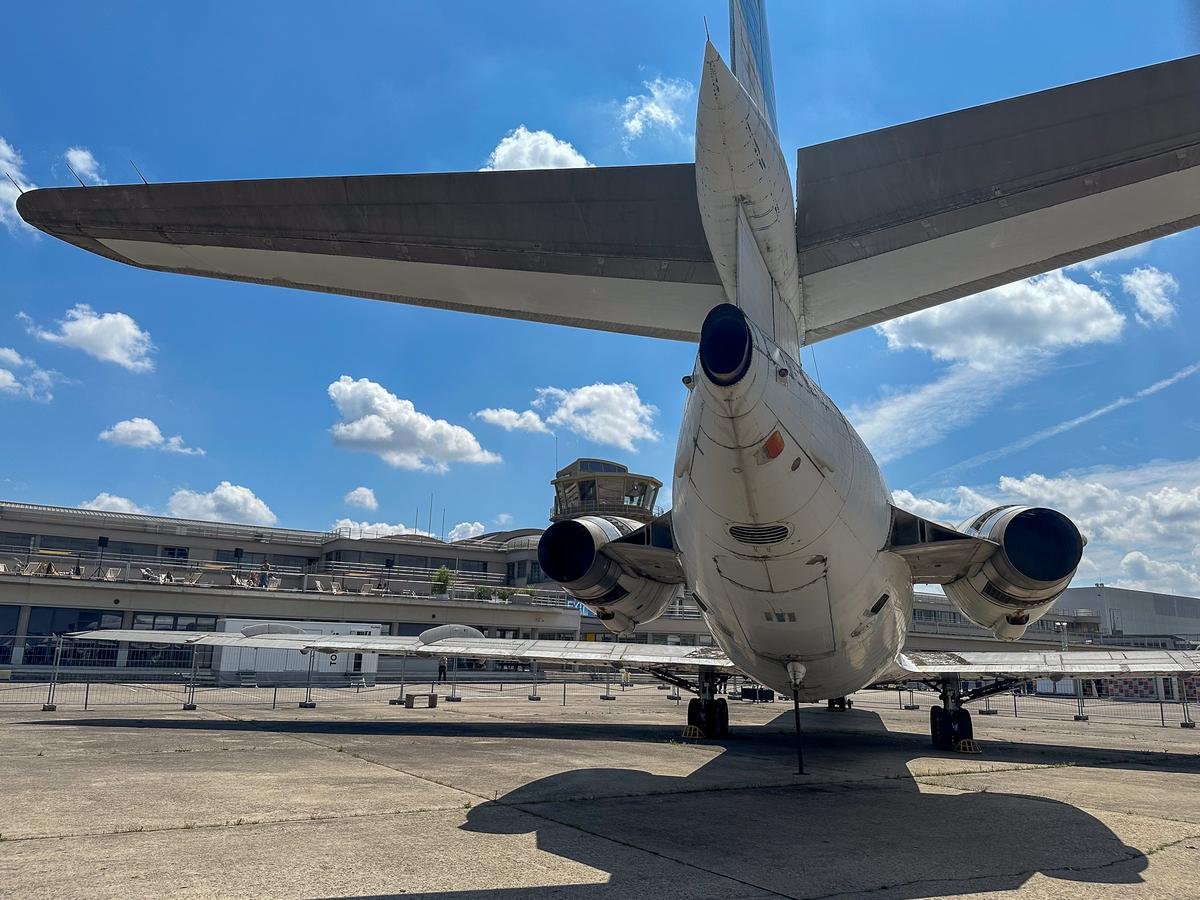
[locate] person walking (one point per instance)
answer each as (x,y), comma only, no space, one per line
(442,669)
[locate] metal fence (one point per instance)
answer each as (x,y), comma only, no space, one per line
(1017,704)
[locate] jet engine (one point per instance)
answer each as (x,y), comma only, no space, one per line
(1038,554)
(571,553)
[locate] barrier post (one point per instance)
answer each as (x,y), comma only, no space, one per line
(87,689)
(307,702)
(399,699)
(608,694)
(1187,722)
(190,702)
(49,705)
(453,698)
(533,670)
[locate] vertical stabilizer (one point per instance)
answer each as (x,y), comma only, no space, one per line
(750,55)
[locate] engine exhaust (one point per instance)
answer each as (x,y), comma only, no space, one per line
(726,345)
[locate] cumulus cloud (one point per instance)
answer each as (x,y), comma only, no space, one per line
(80,159)
(611,414)
(511,420)
(144,433)
(111,337)
(525,149)
(506,519)
(357,530)
(464,530)
(1153,291)
(113,503)
(1142,523)
(33,382)
(12,166)
(379,422)
(660,109)
(226,502)
(993,341)
(363,498)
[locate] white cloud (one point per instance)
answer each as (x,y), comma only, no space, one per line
(1142,523)
(144,433)
(85,165)
(506,519)
(12,165)
(1140,572)
(112,503)
(464,530)
(1154,293)
(611,414)
(363,498)
(379,422)
(660,109)
(994,341)
(525,149)
(1048,312)
(357,530)
(110,337)
(33,383)
(511,420)
(225,503)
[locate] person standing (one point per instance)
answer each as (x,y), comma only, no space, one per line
(442,669)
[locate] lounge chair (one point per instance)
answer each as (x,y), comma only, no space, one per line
(273,583)
(112,574)
(320,585)
(31,568)
(337,588)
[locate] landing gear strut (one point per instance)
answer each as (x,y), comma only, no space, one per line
(950,723)
(707,712)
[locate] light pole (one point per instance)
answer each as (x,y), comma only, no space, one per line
(1061,628)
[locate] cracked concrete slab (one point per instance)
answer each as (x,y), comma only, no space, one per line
(496,796)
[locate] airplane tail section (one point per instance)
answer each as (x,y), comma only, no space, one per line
(750,55)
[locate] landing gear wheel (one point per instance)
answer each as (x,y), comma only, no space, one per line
(722,718)
(695,715)
(960,727)
(712,718)
(939,728)
(839,703)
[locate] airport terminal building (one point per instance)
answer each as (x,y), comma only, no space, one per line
(66,569)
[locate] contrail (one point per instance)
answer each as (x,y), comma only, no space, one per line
(1038,436)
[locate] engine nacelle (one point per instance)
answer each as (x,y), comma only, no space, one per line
(1040,550)
(569,553)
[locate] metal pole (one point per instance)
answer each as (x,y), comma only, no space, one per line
(1014,704)
(533,670)
(564,693)
(190,702)
(1162,714)
(799,741)
(608,694)
(49,706)
(308,700)
(454,698)
(87,689)
(274,696)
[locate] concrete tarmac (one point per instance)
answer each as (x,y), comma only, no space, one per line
(500,797)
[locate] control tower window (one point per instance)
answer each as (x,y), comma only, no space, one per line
(587,494)
(635,493)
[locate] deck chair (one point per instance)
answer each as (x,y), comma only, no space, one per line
(31,568)
(112,574)
(273,583)
(337,588)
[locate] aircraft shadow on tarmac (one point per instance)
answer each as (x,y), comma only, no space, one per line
(741,825)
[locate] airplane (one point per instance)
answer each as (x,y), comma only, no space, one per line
(783,527)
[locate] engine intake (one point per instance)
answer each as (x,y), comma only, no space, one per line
(726,345)
(569,554)
(1039,551)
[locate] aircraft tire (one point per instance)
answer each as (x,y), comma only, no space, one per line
(939,728)
(960,726)
(695,713)
(722,718)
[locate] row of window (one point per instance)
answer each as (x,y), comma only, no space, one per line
(406,561)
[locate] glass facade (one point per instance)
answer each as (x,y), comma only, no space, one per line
(8,630)
(47,621)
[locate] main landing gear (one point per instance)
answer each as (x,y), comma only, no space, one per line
(839,703)
(950,723)
(707,713)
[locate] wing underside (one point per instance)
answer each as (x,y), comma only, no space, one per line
(974,664)
(905,218)
(566,652)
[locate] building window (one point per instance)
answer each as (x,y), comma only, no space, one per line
(47,621)
(170,656)
(522,569)
(535,572)
(175,552)
(8,631)
(510,573)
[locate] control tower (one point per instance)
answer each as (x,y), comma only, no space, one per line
(598,487)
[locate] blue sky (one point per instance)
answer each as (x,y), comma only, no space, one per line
(243,372)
